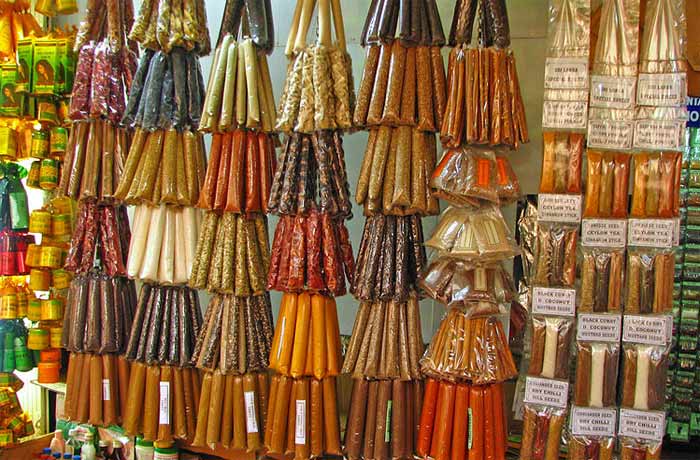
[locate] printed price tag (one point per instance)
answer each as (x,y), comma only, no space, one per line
(300,423)
(662,89)
(649,425)
(588,421)
(564,114)
(650,330)
(608,233)
(164,404)
(251,419)
(607,134)
(659,134)
(566,73)
(106,393)
(546,391)
(553,301)
(613,92)
(559,208)
(652,233)
(594,327)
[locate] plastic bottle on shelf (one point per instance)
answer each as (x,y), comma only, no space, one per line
(58,444)
(165,451)
(71,444)
(144,450)
(88,452)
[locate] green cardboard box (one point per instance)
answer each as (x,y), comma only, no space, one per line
(25,55)
(9,99)
(46,66)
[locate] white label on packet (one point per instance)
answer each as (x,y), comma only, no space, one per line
(588,421)
(648,425)
(608,233)
(659,134)
(598,327)
(613,92)
(251,421)
(607,134)
(553,301)
(662,89)
(652,233)
(566,73)
(164,404)
(564,114)
(300,423)
(546,391)
(559,208)
(106,393)
(650,330)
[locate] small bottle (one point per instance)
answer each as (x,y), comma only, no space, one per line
(88,452)
(71,444)
(58,444)
(144,449)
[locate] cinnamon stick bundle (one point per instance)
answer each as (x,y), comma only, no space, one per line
(656,185)
(650,276)
(607,182)
(562,161)
(555,257)
(601,281)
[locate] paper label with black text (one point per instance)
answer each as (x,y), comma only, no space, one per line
(553,301)
(300,422)
(662,89)
(164,404)
(608,134)
(594,327)
(649,425)
(613,92)
(652,233)
(106,393)
(546,391)
(589,421)
(251,419)
(559,208)
(566,73)
(564,114)
(607,233)
(650,330)
(659,134)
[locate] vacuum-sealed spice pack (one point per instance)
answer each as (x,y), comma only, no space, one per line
(390,258)
(550,349)
(232,411)
(302,418)
(542,427)
(472,349)
(607,184)
(395,173)
(562,162)
(456,283)
(644,376)
(383,418)
(307,337)
(591,447)
(632,449)
(459,420)
(650,276)
(386,341)
(657,184)
(467,177)
(602,272)
(232,255)
(596,374)
(555,255)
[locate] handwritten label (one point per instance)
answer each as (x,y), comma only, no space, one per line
(559,208)
(587,421)
(553,301)
(566,73)
(594,327)
(300,422)
(164,404)
(649,425)
(652,233)
(662,89)
(106,393)
(659,134)
(613,92)
(546,391)
(649,330)
(564,114)
(608,233)
(608,134)
(251,420)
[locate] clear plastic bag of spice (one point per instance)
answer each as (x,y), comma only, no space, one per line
(602,272)
(555,255)
(550,349)
(466,176)
(596,374)
(542,427)
(656,185)
(649,278)
(644,370)
(607,184)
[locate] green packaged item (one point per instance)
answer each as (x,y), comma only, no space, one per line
(45,66)
(691,271)
(686,362)
(34,174)
(14,212)
(8,352)
(25,56)
(47,112)
(695,424)
(684,379)
(678,431)
(23,358)
(40,144)
(9,99)
(8,142)
(58,139)
(691,291)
